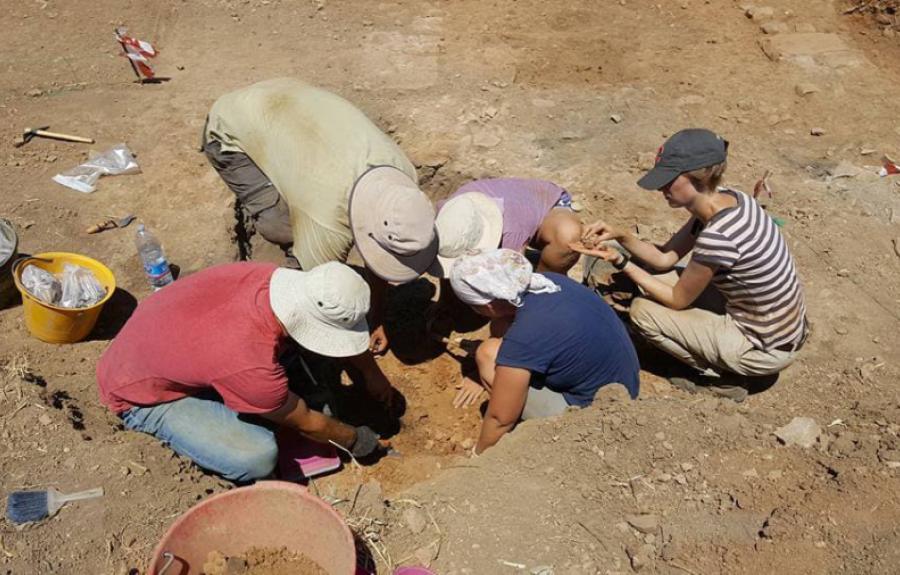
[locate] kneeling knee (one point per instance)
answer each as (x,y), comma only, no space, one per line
(640,314)
(252,465)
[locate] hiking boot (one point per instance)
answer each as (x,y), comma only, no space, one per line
(718,387)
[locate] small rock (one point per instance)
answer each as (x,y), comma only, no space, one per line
(415,520)
(817,131)
(370,499)
(236,566)
(34,93)
(616,118)
(640,556)
(845,170)
(773,27)
(690,100)
(843,273)
(890,457)
(801,431)
(843,446)
(806,89)
(486,140)
(467,444)
(759,12)
(571,135)
(643,523)
(687,466)
(45,419)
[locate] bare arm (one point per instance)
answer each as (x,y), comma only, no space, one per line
(295,415)
(508,394)
(690,284)
(660,259)
(378,342)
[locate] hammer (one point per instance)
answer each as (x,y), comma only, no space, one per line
(30,133)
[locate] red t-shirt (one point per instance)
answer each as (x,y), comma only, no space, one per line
(213,330)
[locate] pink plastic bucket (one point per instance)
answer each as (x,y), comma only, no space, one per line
(270,514)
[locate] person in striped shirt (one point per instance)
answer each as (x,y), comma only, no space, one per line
(737,310)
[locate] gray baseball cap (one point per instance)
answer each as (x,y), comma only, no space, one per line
(685,151)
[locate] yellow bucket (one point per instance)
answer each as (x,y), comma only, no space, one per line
(55,324)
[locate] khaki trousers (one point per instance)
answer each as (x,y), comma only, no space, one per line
(705,337)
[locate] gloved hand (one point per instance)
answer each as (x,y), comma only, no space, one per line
(366,442)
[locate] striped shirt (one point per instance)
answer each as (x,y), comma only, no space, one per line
(755,273)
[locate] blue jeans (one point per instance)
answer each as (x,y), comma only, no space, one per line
(211,435)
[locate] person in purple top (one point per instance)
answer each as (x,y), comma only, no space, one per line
(510,213)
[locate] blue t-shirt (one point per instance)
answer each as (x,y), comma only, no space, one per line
(573,341)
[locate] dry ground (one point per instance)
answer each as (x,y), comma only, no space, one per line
(471,89)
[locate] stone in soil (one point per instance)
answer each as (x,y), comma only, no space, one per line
(415,520)
(801,431)
(643,523)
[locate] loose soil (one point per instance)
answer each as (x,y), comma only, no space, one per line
(670,483)
(264,561)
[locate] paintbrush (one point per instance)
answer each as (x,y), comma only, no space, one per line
(25,506)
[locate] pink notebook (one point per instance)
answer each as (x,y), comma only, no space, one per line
(300,458)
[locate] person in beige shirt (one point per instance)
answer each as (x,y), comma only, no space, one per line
(315,176)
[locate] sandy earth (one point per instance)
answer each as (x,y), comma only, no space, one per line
(578,92)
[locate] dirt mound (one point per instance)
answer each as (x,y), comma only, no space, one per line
(666,484)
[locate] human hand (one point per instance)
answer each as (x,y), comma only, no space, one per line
(604,252)
(469,392)
(378,340)
(598,232)
(762,186)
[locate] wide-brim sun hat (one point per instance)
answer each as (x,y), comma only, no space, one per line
(324,309)
(468,223)
(393,225)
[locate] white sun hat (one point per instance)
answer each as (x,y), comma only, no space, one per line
(324,309)
(469,223)
(393,225)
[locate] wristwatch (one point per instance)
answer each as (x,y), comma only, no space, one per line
(623,262)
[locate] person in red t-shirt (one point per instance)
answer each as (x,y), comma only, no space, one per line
(197,365)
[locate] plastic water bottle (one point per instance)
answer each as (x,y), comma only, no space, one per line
(156,266)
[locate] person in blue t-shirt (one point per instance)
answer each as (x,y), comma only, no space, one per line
(561,342)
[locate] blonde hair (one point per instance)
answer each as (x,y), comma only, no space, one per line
(707,179)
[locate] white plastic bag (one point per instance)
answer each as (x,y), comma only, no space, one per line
(80,287)
(41,284)
(113,162)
